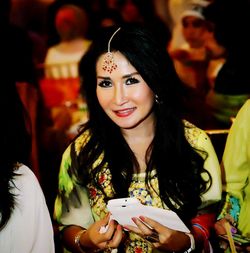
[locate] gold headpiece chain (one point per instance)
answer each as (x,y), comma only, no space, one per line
(108,61)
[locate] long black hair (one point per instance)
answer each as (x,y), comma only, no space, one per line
(178,165)
(16,147)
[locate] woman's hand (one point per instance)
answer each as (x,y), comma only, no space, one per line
(94,239)
(161,237)
(220,230)
(219,227)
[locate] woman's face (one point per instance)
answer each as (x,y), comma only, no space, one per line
(193,31)
(123,94)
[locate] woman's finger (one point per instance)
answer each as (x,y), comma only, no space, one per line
(117,237)
(110,230)
(134,229)
(148,233)
(106,218)
(156,226)
(145,228)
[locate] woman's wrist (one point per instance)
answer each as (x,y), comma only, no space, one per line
(77,239)
(83,243)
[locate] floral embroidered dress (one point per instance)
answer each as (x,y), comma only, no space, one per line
(93,205)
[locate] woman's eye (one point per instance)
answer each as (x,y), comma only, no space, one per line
(132,80)
(105,84)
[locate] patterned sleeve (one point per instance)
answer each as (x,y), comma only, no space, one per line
(72,202)
(230,209)
(212,165)
(203,223)
(65,183)
(199,140)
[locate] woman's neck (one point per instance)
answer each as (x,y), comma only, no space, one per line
(139,139)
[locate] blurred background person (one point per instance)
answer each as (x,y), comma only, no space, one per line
(192,58)
(60,89)
(192,61)
(232,84)
(71,23)
(176,8)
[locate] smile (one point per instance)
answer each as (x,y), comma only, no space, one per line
(125,112)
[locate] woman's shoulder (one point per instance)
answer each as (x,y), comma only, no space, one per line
(194,135)
(246,107)
(30,213)
(241,122)
(25,178)
(81,140)
(27,187)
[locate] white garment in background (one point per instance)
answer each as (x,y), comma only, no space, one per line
(62,60)
(29,229)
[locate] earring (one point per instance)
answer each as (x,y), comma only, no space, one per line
(157,101)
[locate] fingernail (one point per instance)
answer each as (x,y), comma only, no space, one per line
(142,218)
(126,228)
(134,220)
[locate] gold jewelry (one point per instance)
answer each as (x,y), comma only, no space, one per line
(108,61)
(78,237)
(77,242)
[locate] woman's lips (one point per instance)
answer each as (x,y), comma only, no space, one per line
(124,112)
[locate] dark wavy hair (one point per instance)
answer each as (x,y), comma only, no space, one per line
(178,165)
(16,146)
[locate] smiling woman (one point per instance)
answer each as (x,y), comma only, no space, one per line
(135,144)
(123,94)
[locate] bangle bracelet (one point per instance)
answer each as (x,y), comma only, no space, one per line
(78,237)
(77,241)
(192,243)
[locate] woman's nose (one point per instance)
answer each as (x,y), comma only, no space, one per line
(120,96)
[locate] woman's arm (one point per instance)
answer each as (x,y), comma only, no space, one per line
(236,157)
(79,231)
(236,164)
(79,239)
(203,223)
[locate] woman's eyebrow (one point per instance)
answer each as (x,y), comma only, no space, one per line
(125,76)
(104,77)
(129,75)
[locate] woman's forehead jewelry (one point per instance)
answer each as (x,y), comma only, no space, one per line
(108,61)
